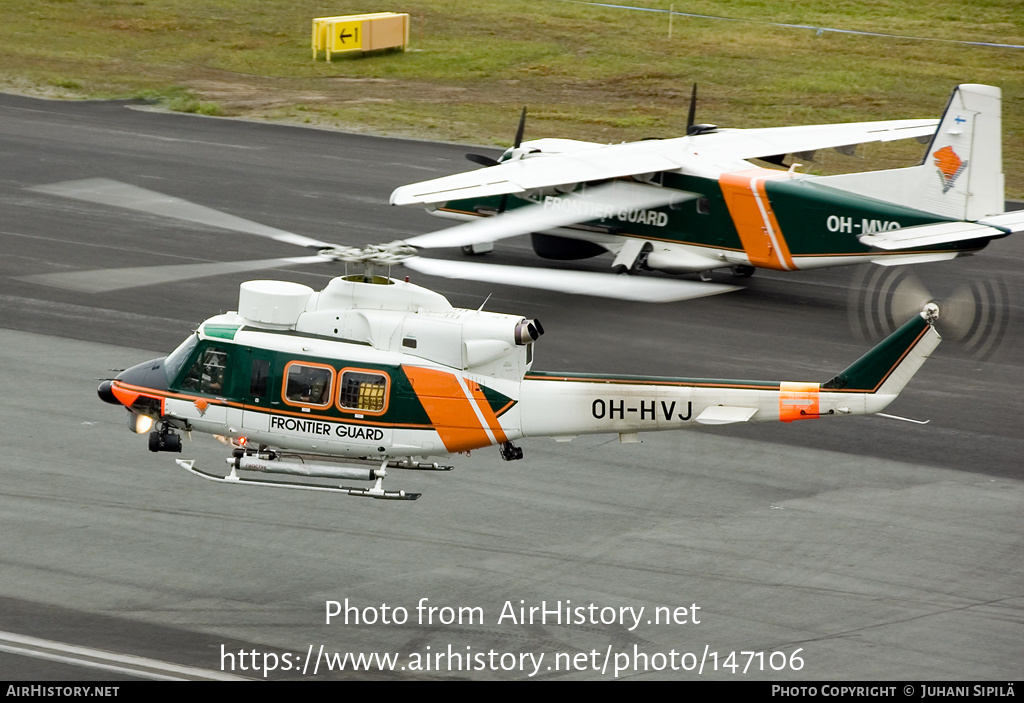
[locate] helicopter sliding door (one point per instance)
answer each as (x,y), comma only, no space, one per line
(259,386)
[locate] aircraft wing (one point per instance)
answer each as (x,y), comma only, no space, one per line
(543,171)
(723,150)
(770,141)
(946,232)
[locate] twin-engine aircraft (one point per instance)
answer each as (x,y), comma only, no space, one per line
(720,210)
(374,373)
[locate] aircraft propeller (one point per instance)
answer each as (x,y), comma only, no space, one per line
(975,315)
(484,160)
(586,205)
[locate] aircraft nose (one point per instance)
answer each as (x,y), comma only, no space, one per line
(106,394)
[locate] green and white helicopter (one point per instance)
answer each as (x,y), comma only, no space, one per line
(373,373)
(694,204)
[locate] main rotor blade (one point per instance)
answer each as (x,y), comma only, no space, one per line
(616,198)
(106,280)
(109,192)
(605,285)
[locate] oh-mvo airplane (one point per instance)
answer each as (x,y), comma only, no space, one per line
(719,209)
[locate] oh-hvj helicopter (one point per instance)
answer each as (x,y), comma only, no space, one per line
(721,210)
(381,373)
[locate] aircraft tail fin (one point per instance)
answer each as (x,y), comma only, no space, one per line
(961,176)
(890,365)
(965,157)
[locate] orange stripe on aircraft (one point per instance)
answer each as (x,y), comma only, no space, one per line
(798,401)
(752,215)
(448,408)
(489,416)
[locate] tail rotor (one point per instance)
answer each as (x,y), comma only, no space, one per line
(975,315)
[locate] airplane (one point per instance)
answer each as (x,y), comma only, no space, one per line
(374,373)
(723,211)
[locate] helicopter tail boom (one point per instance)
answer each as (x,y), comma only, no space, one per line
(564,405)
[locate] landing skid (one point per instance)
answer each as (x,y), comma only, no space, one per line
(269,463)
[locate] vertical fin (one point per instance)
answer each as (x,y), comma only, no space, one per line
(961,177)
(964,163)
(888,366)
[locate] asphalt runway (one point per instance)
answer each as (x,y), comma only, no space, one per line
(834,550)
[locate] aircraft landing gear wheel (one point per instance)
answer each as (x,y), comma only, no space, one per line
(510,452)
(743,271)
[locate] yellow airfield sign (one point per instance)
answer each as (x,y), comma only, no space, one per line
(379,30)
(347,36)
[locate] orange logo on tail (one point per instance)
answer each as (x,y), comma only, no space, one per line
(950,166)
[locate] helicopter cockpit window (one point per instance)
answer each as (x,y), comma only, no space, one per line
(209,372)
(177,358)
(363,391)
(308,384)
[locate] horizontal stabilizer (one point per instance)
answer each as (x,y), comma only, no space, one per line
(930,235)
(724,415)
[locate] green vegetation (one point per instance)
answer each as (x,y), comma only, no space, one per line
(585,71)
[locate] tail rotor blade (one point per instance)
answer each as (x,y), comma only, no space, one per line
(976,315)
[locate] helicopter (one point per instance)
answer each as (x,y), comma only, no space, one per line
(725,211)
(374,373)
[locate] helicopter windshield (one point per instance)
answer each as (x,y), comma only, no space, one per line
(177,358)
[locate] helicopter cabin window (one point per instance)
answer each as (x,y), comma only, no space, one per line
(208,373)
(308,384)
(363,391)
(260,375)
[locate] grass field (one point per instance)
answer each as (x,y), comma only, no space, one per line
(585,71)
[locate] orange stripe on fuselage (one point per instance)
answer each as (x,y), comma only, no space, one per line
(489,416)
(752,215)
(449,409)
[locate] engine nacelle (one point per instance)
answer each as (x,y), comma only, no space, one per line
(548,246)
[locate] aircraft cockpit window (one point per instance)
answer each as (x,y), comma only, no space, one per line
(177,358)
(363,391)
(209,372)
(308,384)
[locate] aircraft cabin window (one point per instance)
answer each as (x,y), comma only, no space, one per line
(209,372)
(308,384)
(258,381)
(363,391)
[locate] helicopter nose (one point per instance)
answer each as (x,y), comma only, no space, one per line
(106,394)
